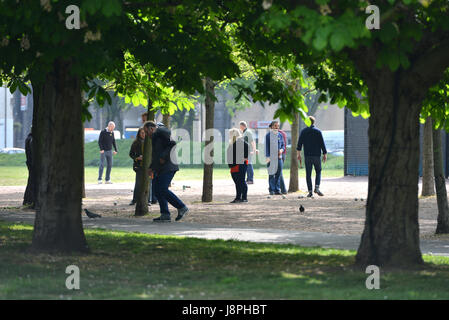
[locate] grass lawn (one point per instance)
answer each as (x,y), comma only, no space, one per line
(17,176)
(139,266)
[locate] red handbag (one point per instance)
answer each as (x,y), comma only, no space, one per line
(235,169)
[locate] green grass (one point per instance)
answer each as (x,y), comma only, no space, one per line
(122,159)
(17,176)
(134,266)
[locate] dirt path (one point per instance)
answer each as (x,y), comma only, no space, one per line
(336,212)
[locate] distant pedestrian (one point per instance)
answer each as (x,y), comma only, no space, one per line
(28,198)
(312,139)
(284,155)
(237,159)
(106,141)
(274,147)
(248,136)
(163,169)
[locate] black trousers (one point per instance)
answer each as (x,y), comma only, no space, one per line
(312,161)
(241,187)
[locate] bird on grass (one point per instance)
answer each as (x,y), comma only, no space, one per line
(91,214)
(301,208)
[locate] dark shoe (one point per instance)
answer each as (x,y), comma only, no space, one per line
(271,193)
(236,201)
(277,193)
(181,213)
(162,219)
(318,192)
(310,194)
(244,200)
(285,192)
(132,203)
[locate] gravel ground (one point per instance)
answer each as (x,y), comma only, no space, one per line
(337,212)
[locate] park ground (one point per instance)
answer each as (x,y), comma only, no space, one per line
(124,265)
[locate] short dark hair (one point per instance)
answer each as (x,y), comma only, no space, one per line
(273,123)
(150,124)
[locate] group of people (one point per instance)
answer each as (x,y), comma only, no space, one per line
(242,147)
(240,153)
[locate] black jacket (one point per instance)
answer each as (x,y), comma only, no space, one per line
(237,152)
(312,139)
(161,149)
(106,140)
(135,152)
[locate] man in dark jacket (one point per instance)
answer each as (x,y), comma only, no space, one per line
(106,141)
(163,168)
(312,139)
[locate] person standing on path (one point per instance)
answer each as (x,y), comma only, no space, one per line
(163,169)
(284,155)
(248,136)
(28,198)
(274,147)
(106,141)
(237,159)
(312,139)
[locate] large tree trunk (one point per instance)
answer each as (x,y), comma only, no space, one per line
(58,154)
(294,180)
(440,185)
(209,168)
(391,233)
(142,197)
(427,161)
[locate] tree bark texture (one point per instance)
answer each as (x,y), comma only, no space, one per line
(142,197)
(59,162)
(440,185)
(427,161)
(208,170)
(391,233)
(294,175)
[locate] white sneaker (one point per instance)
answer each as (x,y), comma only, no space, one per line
(108,182)
(100,182)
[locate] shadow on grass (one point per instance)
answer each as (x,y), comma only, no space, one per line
(141,266)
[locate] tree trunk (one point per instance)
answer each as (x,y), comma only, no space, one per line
(142,197)
(391,233)
(209,168)
(294,179)
(83,178)
(427,161)
(166,120)
(440,185)
(58,154)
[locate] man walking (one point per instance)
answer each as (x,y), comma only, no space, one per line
(163,169)
(248,137)
(312,139)
(274,147)
(106,141)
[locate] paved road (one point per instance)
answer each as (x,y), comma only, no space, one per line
(203,231)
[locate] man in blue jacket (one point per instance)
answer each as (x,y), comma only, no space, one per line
(312,139)
(274,147)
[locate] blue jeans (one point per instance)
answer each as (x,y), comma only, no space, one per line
(250,171)
(274,180)
(241,187)
(315,162)
(108,156)
(165,196)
